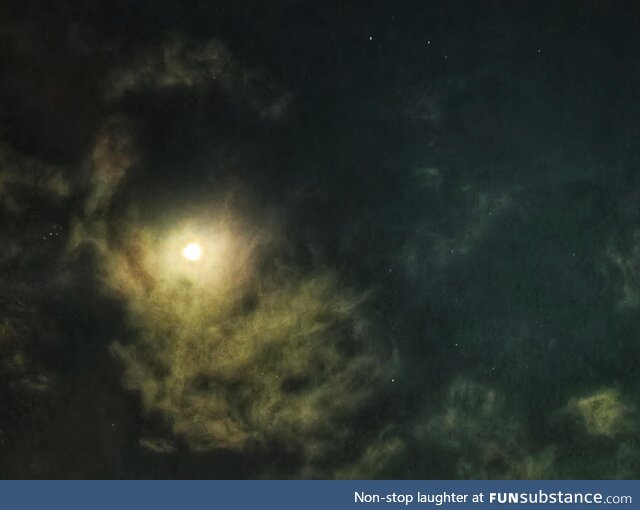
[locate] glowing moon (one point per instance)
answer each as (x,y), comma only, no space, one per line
(192,251)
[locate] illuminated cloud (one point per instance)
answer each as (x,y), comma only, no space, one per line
(113,155)
(595,436)
(178,62)
(234,346)
(231,354)
(604,413)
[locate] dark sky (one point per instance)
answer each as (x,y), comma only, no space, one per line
(419,225)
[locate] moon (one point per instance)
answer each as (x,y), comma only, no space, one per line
(192,252)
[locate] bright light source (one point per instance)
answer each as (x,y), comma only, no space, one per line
(192,251)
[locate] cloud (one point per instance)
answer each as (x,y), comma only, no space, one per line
(436,240)
(178,62)
(241,349)
(469,433)
(484,436)
(22,176)
(604,413)
(33,196)
(234,354)
(382,456)
(113,155)
(622,268)
(594,435)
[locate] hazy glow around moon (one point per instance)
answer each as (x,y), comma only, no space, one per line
(192,251)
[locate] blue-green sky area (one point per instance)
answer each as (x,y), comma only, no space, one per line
(302,239)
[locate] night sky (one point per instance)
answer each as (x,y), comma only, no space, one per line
(319,239)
